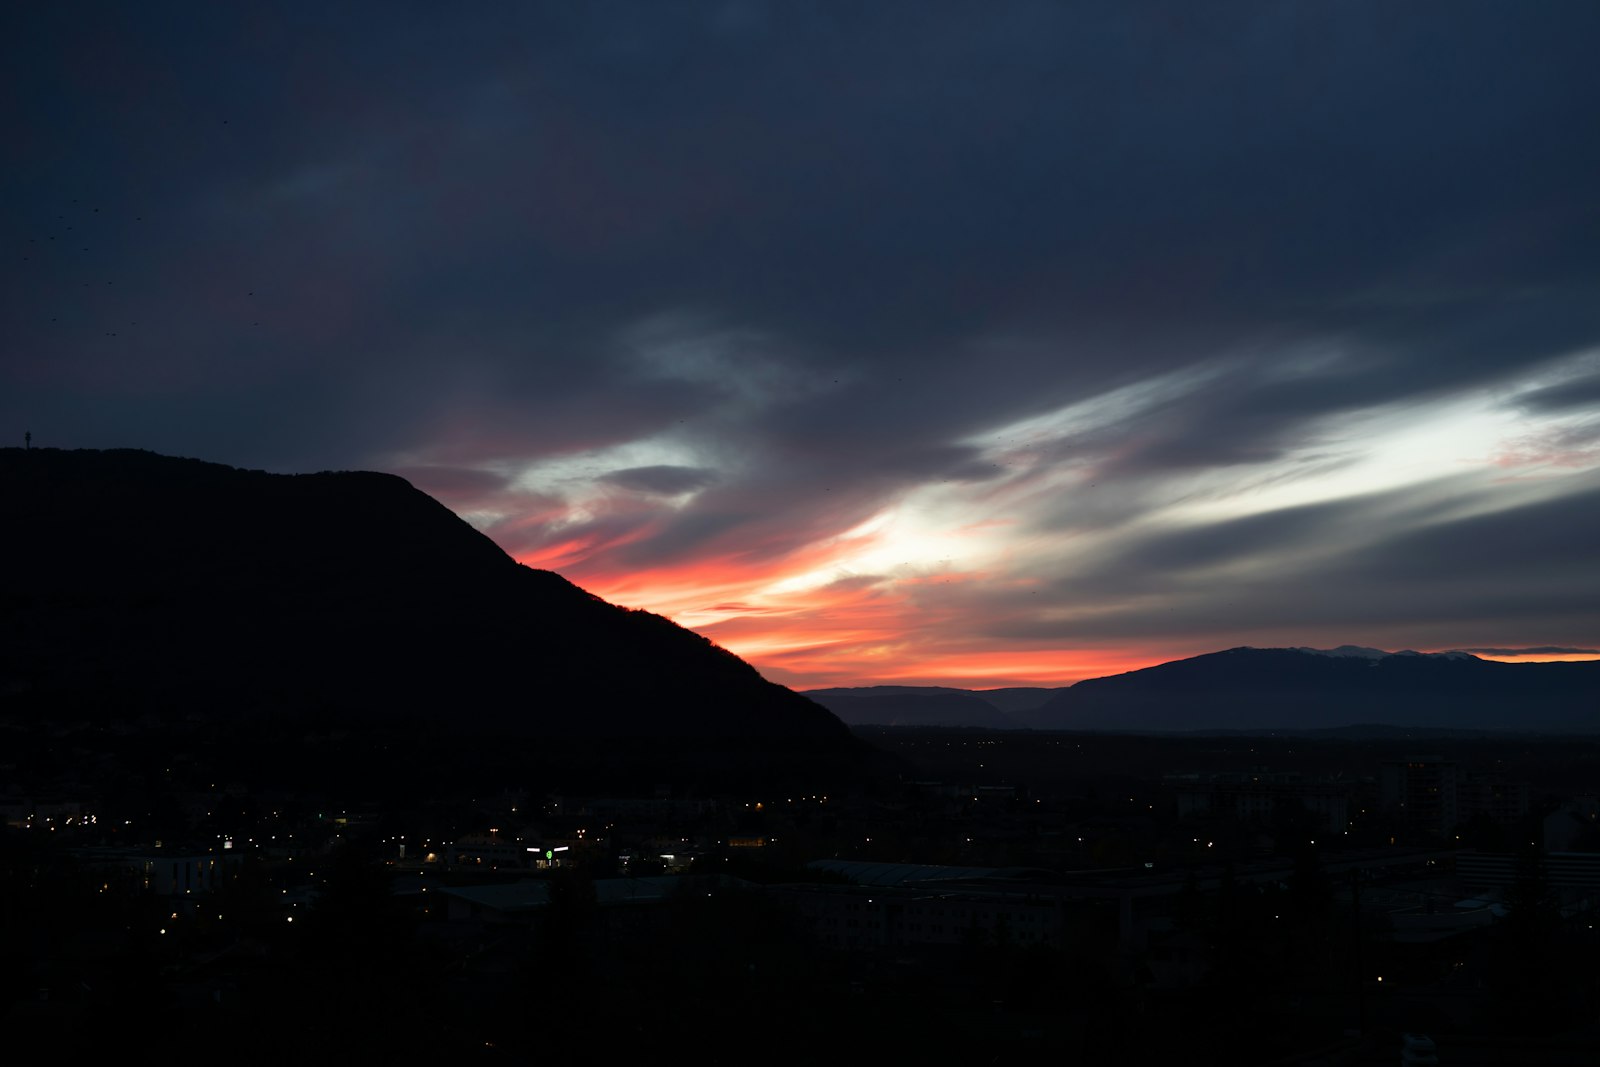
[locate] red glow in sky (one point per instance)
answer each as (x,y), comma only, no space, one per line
(851,631)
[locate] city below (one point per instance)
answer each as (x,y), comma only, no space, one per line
(1026,893)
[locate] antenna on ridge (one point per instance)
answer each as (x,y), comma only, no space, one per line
(27,439)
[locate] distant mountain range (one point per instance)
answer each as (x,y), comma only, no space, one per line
(136,586)
(1271,689)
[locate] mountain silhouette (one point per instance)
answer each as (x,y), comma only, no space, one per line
(1308,689)
(1264,689)
(138,585)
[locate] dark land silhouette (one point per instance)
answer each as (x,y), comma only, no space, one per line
(262,607)
(889,705)
(1296,689)
(1255,689)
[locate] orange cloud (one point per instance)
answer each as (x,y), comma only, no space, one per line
(1567,658)
(908,629)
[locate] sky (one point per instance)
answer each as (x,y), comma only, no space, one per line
(911,343)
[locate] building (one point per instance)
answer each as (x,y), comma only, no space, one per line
(1567,873)
(1434,795)
(165,873)
(1422,789)
(1259,796)
(1573,827)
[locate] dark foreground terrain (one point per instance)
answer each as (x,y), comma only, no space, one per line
(1013,895)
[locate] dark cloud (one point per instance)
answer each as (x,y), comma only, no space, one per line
(469,482)
(765,518)
(1550,540)
(1261,540)
(1579,394)
(543,177)
(664,479)
(1359,566)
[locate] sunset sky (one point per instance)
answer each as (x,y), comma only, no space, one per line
(917,343)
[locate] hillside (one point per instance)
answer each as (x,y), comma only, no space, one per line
(139,586)
(893,705)
(928,705)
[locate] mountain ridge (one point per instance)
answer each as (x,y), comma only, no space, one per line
(1288,688)
(140,584)
(1311,689)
